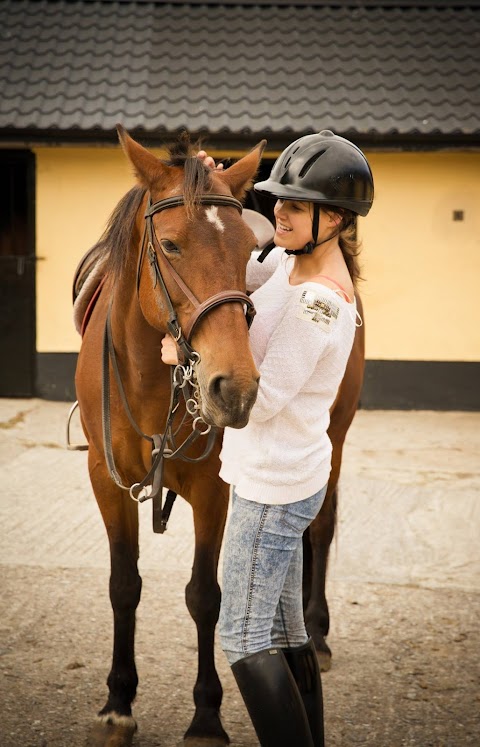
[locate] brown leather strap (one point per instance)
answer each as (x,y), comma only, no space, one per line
(206,199)
(175,276)
(216,300)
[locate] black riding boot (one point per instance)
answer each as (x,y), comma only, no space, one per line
(272,699)
(306,672)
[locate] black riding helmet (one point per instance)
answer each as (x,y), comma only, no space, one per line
(323,169)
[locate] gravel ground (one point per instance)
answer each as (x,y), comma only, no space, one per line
(403,590)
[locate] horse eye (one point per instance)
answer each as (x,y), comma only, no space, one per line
(169,246)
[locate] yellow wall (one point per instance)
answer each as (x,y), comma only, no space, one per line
(77,188)
(422,268)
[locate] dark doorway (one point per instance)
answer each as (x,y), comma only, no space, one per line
(17,273)
(261,203)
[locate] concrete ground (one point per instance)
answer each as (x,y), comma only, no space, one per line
(403,588)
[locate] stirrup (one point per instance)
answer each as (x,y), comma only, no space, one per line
(70,446)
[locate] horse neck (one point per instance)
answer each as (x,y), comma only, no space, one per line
(144,377)
(137,343)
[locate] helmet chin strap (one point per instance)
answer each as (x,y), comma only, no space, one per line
(310,246)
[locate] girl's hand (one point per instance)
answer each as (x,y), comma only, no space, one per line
(169,351)
(208,161)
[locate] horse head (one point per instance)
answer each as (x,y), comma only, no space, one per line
(192,259)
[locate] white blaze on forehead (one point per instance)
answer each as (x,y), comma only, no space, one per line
(214,218)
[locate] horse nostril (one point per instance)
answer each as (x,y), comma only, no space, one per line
(215,386)
(223,389)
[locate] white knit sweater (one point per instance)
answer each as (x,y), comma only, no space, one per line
(301,339)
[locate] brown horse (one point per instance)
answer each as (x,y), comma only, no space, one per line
(187,272)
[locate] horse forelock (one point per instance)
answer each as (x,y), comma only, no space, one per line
(197,178)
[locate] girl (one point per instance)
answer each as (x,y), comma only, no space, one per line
(279,464)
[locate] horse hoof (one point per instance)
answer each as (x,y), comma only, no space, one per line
(324,654)
(112,730)
(206,730)
(205,742)
(324,661)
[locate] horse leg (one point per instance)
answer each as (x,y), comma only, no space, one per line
(115,725)
(317,540)
(202,596)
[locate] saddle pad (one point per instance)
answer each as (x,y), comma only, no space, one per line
(92,279)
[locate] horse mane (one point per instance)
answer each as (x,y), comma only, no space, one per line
(116,239)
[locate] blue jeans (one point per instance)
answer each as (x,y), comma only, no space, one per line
(262,603)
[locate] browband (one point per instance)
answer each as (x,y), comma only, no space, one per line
(178,200)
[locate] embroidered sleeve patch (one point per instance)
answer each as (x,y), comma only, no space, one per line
(317,309)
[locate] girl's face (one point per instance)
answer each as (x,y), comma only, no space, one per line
(294,223)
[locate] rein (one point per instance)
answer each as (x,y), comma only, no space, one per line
(182,377)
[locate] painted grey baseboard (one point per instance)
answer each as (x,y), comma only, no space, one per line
(388,385)
(55,377)
(421,385)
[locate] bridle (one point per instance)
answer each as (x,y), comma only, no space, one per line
(158,258)
(182,376)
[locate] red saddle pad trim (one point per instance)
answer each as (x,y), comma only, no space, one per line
(91,305)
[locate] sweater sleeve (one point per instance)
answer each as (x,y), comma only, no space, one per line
(259,272)
(300,340)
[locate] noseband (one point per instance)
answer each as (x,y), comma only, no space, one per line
(183,377)
(157,259)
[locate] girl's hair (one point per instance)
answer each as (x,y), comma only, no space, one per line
(348,241)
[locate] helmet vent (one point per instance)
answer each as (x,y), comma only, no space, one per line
(285,165)
(311,161)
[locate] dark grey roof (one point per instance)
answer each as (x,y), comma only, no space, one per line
(239,70)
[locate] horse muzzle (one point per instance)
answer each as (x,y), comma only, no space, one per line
(227,402)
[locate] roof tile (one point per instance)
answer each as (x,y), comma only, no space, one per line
(239,69)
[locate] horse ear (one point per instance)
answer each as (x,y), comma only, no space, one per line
(148,168)
(239,177)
